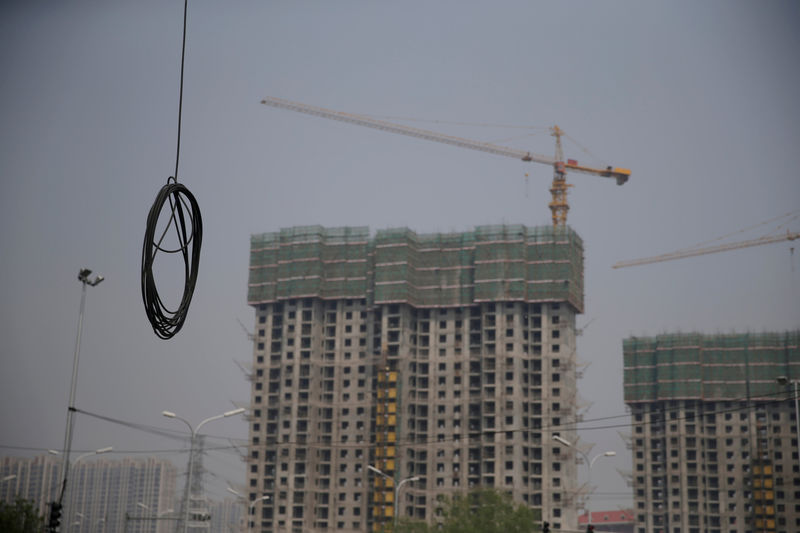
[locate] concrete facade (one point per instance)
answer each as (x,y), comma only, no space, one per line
(481,391)
(724,459)
(445,357)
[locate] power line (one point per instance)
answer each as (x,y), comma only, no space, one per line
(468,435)
(119,451)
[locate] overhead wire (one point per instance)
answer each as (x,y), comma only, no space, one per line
(577,426)
(154,430)
(440,438)
(755,405)
(119,451)
(167,322)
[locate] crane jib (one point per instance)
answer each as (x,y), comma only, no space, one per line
(558,206)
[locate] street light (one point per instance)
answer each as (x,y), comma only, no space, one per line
(194,432)
(95,452)
(589,463)
(85,455)
(252,511)
(396,489)
(252,505)
(83,277)
(10,477)
(784,380)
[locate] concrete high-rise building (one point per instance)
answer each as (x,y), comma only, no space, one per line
(443,361)
(714,437)
(102,495)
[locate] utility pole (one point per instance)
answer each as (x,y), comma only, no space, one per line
(57,506)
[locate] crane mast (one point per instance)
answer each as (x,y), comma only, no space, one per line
(558,205)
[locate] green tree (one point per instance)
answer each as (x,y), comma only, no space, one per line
(479,511)
(408,525)
(20,517)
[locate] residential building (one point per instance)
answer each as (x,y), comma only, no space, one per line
(394,369)
(131,495)
(227,516)
(714,435)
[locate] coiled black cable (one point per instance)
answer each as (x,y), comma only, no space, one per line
(167,323)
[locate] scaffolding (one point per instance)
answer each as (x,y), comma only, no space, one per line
(709,367)
(308,261)
(489,264)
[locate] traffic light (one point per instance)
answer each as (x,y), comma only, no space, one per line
(546,527)
(590,528)
(55,517)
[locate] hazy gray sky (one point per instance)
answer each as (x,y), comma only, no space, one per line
(699,100)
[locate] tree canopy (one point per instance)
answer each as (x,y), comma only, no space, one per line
(479,511)
(20,517)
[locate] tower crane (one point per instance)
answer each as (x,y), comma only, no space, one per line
(558,204)
(691,252)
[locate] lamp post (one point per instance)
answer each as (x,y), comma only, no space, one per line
(784,380)
(589,464)
(10,477)
(251,511)
(95,452)
(194,432)
(252,504)
(396,489)
(83,277)
(147,518)
(84,456)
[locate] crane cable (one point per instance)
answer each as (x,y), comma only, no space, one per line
(166,323)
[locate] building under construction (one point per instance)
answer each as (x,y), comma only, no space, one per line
(391,369)
(714,437)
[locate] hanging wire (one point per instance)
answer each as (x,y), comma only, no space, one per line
(166,323)
(180,91)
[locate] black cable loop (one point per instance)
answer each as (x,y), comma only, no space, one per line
(166,323)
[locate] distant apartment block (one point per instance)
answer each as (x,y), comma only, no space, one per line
(227,516)
(102,496)
(714,435)
(445,361)
(35,479)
